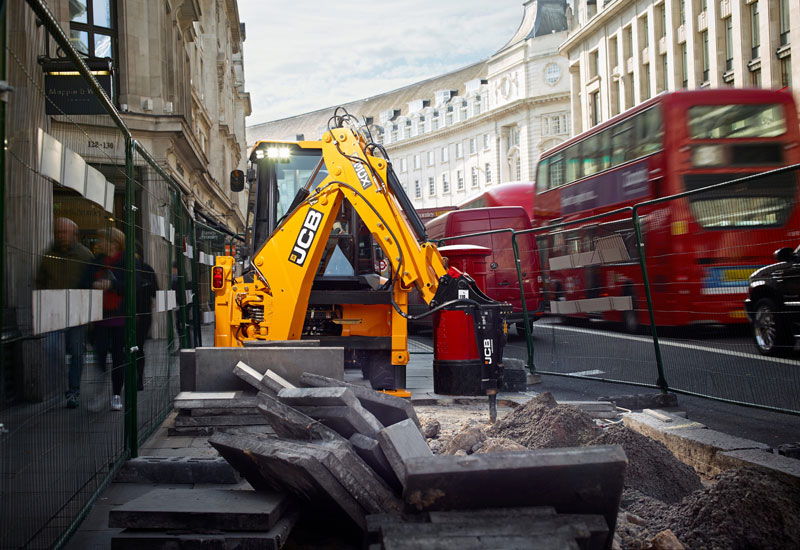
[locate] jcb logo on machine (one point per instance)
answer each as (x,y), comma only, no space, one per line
(363,176)
(305,237)
(488,348)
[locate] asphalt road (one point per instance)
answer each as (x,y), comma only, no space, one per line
(585,358)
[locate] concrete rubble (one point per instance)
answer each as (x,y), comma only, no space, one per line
(359,454)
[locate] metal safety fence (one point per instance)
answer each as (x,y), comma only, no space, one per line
(104,279)
(653,295)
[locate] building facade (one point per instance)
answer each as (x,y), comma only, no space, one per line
(621,52)
(174,70)
(452,136)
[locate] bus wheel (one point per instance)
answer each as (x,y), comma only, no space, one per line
(630,317)
(769,330)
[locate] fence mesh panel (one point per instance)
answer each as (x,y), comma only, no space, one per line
(64,318)
(718,238)
(73,183)
(157,312)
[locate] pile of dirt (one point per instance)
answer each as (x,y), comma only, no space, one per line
(744,509)
(652,469)
(542,423)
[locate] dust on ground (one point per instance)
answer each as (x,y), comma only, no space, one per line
(742,509)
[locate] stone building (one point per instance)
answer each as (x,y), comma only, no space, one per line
(175,72)
(452,136)
(622,52)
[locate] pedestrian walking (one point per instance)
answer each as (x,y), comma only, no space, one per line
(108,275)
(64,266)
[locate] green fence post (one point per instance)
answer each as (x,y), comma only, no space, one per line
(528,333)
(662,381)
(2,183)
(131,432)
(183,333)
(197,324)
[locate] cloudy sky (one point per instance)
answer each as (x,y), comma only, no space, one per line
(304,55)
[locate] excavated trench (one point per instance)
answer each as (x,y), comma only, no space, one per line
(741,509)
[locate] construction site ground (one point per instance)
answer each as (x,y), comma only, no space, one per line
(711,490)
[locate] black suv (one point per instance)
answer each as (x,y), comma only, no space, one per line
(773,305)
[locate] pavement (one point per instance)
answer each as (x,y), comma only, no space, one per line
(729,451)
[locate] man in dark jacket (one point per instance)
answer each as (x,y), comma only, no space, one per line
(64,266)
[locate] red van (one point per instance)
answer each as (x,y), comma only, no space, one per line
(502,282)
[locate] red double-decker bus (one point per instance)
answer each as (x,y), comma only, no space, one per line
(700,249)
(512,193)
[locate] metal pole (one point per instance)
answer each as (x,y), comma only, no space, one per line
(131,408)
(183,333)
(662,381)
(2,184)
(196,325)
(528,334)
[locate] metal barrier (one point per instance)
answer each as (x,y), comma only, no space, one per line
(103,284)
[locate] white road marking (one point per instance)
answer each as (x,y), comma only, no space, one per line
(663,342)
(420,345)
(594,372)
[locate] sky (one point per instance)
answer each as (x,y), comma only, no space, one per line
(304,55)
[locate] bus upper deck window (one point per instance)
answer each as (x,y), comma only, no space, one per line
(736,121)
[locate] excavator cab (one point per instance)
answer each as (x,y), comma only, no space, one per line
(319,213)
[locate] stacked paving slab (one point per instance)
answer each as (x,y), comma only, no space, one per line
(170,518)
(348,450)
(204,413)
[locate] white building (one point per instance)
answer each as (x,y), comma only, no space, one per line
(622,52)
(452,136)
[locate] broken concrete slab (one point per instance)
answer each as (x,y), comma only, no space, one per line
(174,470)
(388,409)
(536,542)
(235,400)
(580,480)
(370,452)
(276,381)
(267,463)
(218,412)
(226,510)
(591,530)
(189,421)
(402,442)
(213,366)
(530,527)
(483,514)
(289,423)
(199,431)
(318,397)
(353,474)
(274,539)
(345,420)
(252,377)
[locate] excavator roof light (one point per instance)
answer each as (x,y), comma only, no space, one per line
(282,153)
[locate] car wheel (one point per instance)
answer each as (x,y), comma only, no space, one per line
(520,327)
(769,330)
